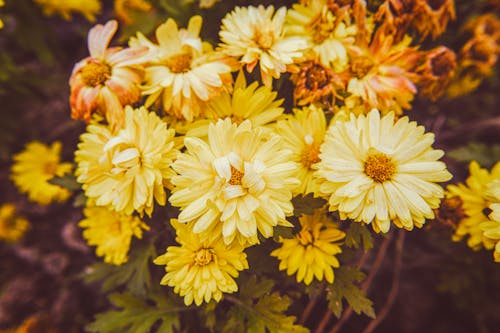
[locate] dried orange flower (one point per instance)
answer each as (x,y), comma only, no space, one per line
(426,17)
(124,9)
(315,83)
(436,72)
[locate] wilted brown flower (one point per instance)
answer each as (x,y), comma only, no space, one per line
(426,17)
(487,24)
(449,213)
(436,72)
(315,83)
(480,53)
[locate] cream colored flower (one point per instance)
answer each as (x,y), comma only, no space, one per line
(201,269)
(127,169)
(254,35)
(111,232)
(238,183)
(303,133)
(376,170)
(184,72)
(327,35)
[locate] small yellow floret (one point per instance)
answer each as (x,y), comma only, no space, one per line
(12,226)
(88,8)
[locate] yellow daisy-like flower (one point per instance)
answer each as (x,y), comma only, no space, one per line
(327,35)
(184,72)
(239,182)
(12,226)
(303,133)
(200,269)
(376,170)
(311,253)
(127,169)
(491,229)
(474,203)
(255,35)
(34,167)
(255,103)
(111,232)
(88,8)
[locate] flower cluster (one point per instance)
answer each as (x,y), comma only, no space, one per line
(233,156)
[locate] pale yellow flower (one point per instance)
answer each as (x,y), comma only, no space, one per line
(88,8)
(255,35)
(12,225)
(474,203)
(303,133)
(311,253)
(327,35)
(238,183)
(377,170)
(34,167)
(127,169)
(183,72)
(111,232)
(201,269)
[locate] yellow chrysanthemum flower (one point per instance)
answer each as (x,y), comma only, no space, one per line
(201,269)
(376,170)
(311,253)
(303,133)
(255,103)
(12,226)
(327,35)
(474,203)
(127,170)
(34,167)
(239,182)
(2,3)
(491,229)
(255,35)
(183,72)
(88,8)
(111,232)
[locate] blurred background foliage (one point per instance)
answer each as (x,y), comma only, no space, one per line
(51,277)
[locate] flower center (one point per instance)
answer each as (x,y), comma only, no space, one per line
(360,66)
(305,237)
(95,73)
(50,168)
(236,176)
(203,257)
(264,38)
(115,228)
(322,26)
(179,63)
(310,155)
(379,167)
(443,64)
(317,77)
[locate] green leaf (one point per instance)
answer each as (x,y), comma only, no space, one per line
(283,232)
(68,181)
(358,235)
(345,287)
(258,310)
(485,155)
(305,205)
(137,315)
(134,274)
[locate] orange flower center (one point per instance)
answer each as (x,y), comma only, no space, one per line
(203,257)
(443,64)
(310,155)
(179,63)
(264,38)
(379,167)
(322,26)
(236,176)
(317,77)
(305,237)
(360,66)
(50,168)
(95,73)
(115,228)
